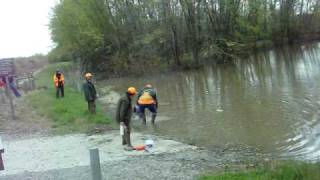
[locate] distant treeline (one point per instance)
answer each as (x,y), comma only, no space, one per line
(121,36)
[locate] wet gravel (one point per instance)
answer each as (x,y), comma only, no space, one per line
(184,165)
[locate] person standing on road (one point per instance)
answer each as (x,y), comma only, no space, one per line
(123,116)
(90,93)
(58,79)
(147,99)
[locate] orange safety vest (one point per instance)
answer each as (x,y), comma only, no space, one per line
(56,80)
(146,99)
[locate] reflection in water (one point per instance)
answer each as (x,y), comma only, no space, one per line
(269,101)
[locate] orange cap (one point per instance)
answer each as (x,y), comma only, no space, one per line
(132,90)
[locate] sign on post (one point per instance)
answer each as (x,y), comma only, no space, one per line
(6,71)
(6,67)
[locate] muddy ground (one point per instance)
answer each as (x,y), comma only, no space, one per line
(26,124)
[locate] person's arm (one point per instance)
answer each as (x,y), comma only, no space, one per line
(156,99)
(124,105)
(62,79)
(55,80)
(86,91)
(94,92)
(154,96)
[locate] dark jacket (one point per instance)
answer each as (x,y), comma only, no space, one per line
(90,93)
(124,109)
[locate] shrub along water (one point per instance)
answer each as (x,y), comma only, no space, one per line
(123,36)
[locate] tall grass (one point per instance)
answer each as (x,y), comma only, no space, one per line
(69,113)
(287,170)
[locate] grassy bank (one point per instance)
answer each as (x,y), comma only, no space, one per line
(288,170)
(68,114)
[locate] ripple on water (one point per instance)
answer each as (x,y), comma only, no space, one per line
(304,146)
(268,101)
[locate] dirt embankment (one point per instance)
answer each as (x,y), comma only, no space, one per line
(27,122)
(29,65)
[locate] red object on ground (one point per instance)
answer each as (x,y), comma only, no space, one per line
(139,148)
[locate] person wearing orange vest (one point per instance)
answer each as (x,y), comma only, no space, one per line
(58,79)
(147,99)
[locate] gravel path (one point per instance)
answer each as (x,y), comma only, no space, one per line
(182,165)
(67,158)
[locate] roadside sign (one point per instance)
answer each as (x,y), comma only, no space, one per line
(6,67)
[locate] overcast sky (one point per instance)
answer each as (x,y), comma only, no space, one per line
(24,27)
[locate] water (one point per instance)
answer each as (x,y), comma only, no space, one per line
(270,101)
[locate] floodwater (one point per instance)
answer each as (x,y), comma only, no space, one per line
(270,101)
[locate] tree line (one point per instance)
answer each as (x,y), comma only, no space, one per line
(122,36)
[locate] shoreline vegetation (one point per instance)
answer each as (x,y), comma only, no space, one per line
(118,37)
(279,170)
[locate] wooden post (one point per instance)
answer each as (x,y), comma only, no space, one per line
(2,94)
(33,84)
(8,93)
(1,151)
(95,164)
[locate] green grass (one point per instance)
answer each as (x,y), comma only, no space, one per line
(69,113)
(288,170)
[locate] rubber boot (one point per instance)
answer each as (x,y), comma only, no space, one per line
(143,119)
(127,136)
(124,140)
(153,118)
(129,146)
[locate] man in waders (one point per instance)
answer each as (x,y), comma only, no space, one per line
(58,79)
(123,116)
(90,93)
(147,99)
